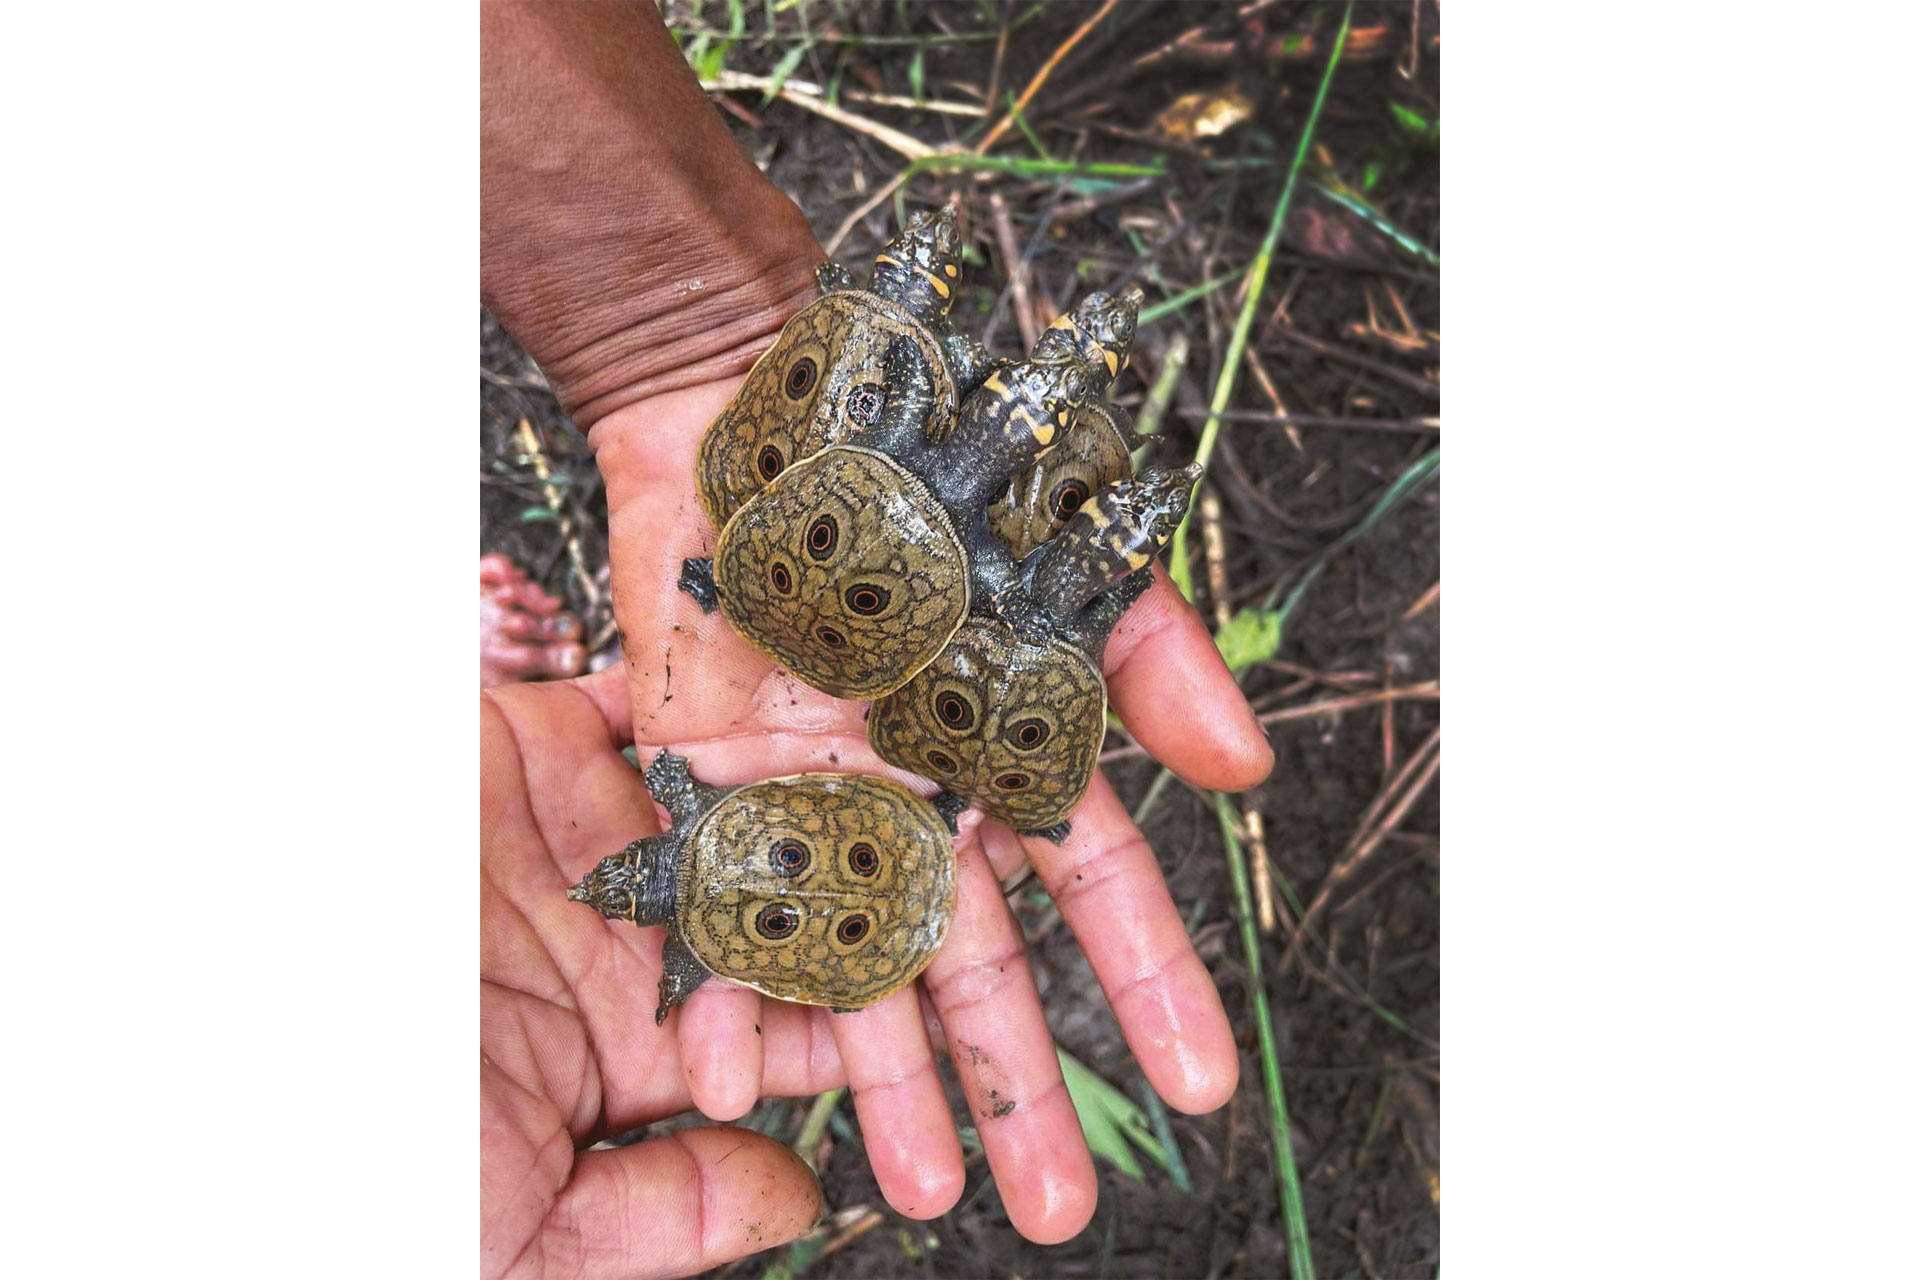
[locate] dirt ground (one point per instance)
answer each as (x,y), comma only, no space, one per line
(1346,339)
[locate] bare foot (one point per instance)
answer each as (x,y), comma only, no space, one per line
(524,634)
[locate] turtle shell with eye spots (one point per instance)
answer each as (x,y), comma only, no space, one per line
(822,888)
(854,567)
(823,380)
(1013,724)
(1012,712)
(849,573)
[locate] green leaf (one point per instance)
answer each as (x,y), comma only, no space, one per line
(1250,636)
(781,70)
(1113,1123)
(1413,122)
(706,58)
(1370,176)
(917,74)
(534,515)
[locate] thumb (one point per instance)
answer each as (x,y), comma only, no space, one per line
(676,1205)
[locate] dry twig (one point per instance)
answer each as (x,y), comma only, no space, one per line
(906,144)
(1021,103)
(1382,817)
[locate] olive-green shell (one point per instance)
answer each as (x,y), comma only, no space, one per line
(765,429)
(1014,726)
(1040,500)
(846,571)
(729,880)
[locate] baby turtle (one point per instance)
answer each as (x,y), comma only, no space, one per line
(1098,448)
(1012,713)
(857,565)
(822,888)
(823,379)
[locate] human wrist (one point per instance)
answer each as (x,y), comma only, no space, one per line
(626,240)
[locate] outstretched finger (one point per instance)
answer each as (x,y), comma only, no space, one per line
(997,1039)
(677,1205)
(1110,891)
(901,1105)
(1178,699)
(720,1048)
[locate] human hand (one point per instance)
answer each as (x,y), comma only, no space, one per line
(644,262)
(567,1052)
(703,692)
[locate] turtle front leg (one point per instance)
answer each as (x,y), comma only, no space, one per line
(696,579)
(1129,435)
(969,360)
(908,380)
(670,780)
(833,278)
(680,973)
(950,806)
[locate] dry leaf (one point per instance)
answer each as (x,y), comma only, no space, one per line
(1206,114)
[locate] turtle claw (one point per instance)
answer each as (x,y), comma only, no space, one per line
(696,579)
(833,278)
(950,807)
(1056,833)
(680,973)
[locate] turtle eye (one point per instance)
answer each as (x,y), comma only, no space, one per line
(1013,782)
(800,377)
(864,861)
(1076,384)
(942,761)
(1123,326)
(777,921)
(1029,733)
(822,536)
(1067,497)
(789,858)
(781,577)
(954,711)
(865,402)
(769,462)
(866,599)
(853,929)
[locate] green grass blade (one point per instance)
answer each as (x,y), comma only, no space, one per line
(1352,201)
(1113,1123)
(1410,482)
(1163,1130)
(1243,326)
(783,69)
(1286,1175)
(1160,310)
(814,1127)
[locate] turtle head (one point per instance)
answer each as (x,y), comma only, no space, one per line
(920,267)
(1098,331)
(1153,503)
(635,884)
(1114,535)
(1051,389)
